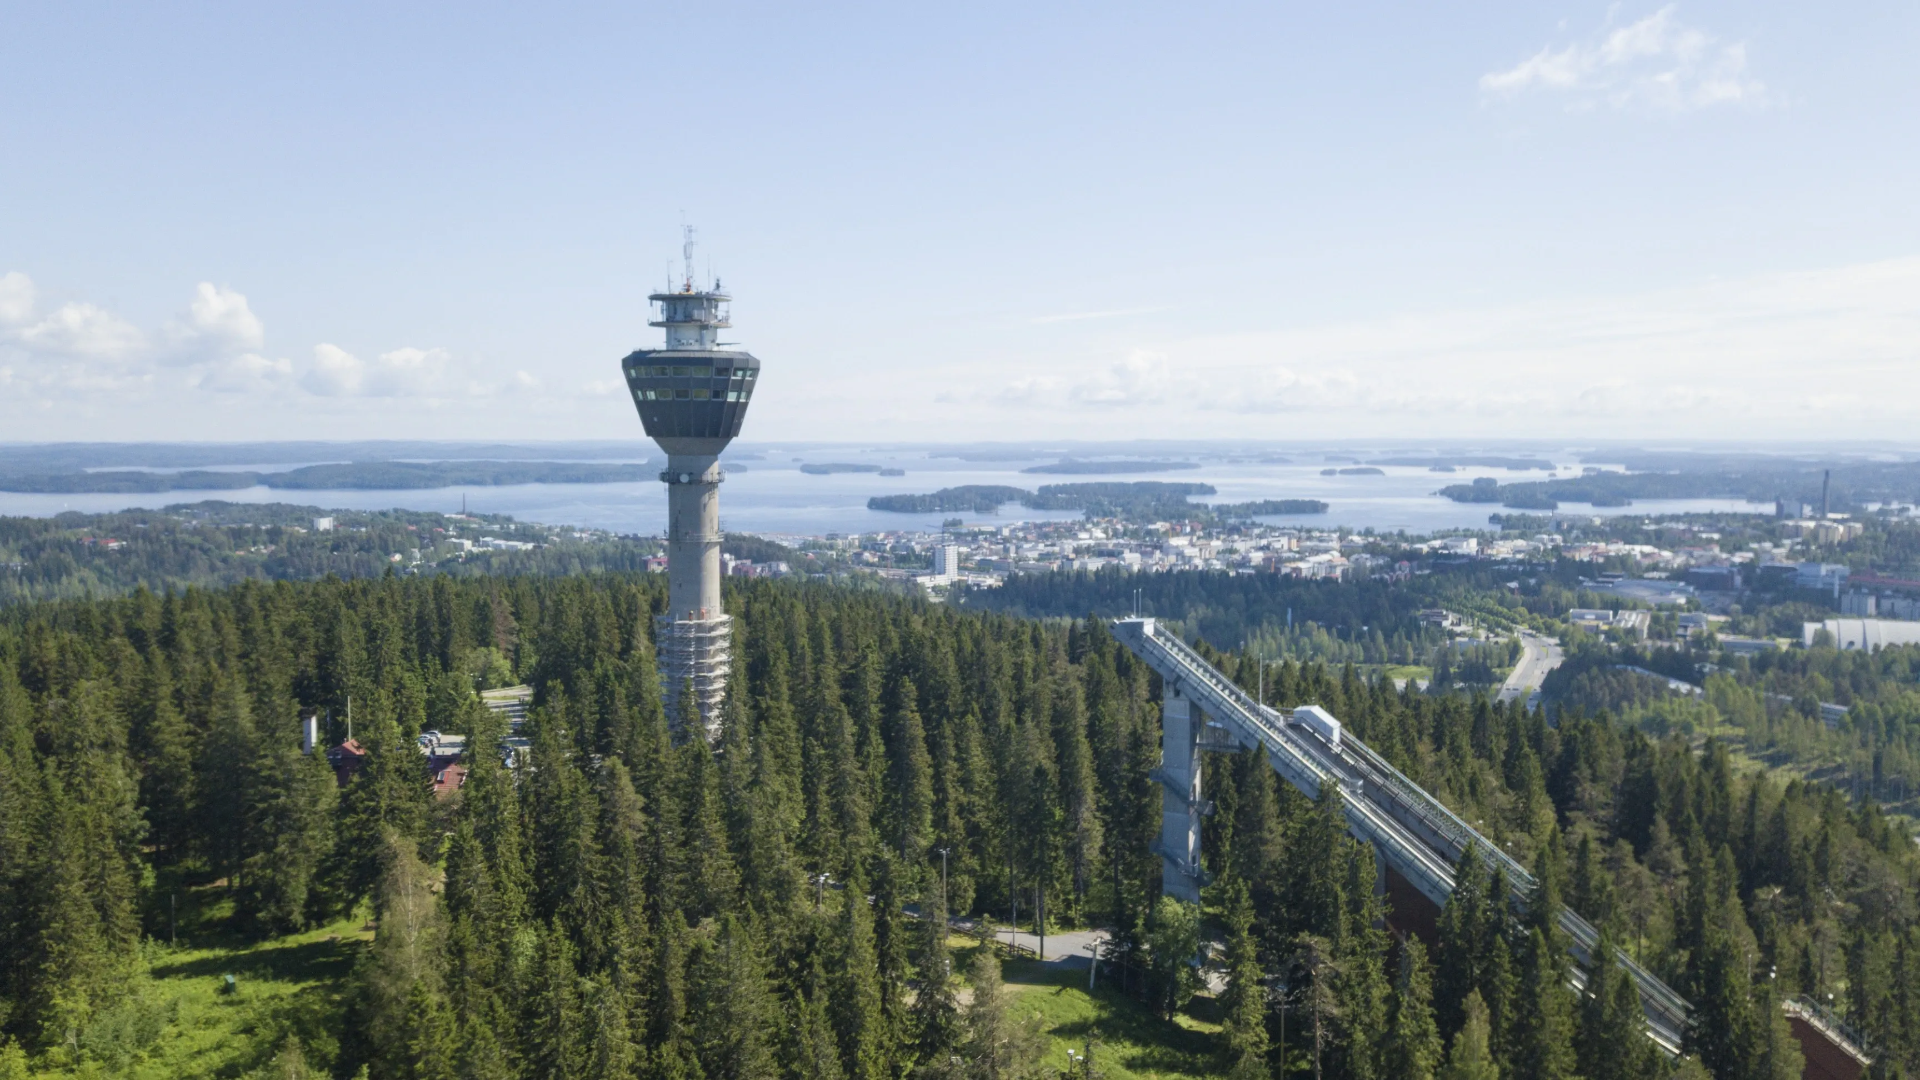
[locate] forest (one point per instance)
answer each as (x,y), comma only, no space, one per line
(623,903)
(1771,705)
(215,543)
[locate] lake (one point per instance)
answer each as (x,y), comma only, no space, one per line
(772,495)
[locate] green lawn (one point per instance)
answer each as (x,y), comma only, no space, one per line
(1129,1040)
(182,1023)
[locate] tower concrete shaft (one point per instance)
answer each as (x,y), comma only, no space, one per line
(692,396)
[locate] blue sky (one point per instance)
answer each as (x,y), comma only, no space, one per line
(1677,222)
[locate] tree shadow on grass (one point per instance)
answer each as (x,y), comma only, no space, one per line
(311,961)
(1133,1036)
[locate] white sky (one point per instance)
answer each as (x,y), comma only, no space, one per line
(993,221)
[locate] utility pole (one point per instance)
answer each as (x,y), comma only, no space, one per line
(944,914)
(1040,917)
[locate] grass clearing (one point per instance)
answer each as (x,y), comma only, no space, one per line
(182,1022)
(1129,1040)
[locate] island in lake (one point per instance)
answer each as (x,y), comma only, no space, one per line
(354,476)
(1071,467)
(1141,500)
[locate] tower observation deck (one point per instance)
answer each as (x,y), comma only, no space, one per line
(692,396)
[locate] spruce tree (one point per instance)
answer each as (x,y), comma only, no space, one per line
(556,1045)
(165,748)
(703,861)
(388,795)
(999,1046)
(909,780)
(855,1003)
(935,1014)
(1471,1056)
(730,1011)
(1413,1040)
(607,1050)
(402,976)
(1244,1006)
(1461,948)
(1773,1052)
(1612,1042)
(229,759)
(1542,1026)
(290,820)
(811,1050)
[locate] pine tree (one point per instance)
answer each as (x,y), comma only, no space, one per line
(1080,824)
(1318,968)
(890,951)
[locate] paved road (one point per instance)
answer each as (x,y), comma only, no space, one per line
(1539,655)
(1067,948)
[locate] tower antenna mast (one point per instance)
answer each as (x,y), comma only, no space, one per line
(686,253)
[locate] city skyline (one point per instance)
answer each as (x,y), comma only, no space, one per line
(1601,222)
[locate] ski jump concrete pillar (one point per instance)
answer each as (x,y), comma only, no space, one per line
(1180,804)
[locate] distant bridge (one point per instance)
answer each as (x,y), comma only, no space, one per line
(1417,840)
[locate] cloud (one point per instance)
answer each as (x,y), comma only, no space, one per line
(218,326)
(1654,63)
(1776,354)
(81,332)
(1084,316)
(16,298)
(246,373)
(404,372)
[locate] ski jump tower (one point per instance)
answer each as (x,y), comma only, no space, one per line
(692,396)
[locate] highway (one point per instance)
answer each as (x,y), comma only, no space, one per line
(1539,655)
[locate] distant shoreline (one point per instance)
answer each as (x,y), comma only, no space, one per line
(361,476)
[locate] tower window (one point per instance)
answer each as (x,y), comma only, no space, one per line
(681,394)
(699,395)
(679,371)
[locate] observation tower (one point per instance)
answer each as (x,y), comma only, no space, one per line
(692,396)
